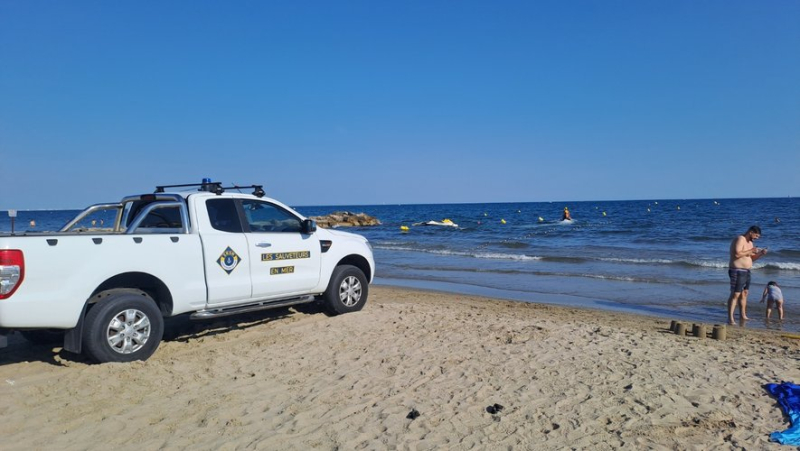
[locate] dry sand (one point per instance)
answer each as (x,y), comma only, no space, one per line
(298,379)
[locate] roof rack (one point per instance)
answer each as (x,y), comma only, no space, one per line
(258,190)
(214,187)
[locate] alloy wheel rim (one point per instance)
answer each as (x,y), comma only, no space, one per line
(128,331)
(350,291)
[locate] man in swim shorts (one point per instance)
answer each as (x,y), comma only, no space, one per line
(742,255)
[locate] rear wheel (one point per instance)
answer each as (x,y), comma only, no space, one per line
(347,291)
(125,326)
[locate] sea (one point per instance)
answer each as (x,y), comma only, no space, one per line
(665,258)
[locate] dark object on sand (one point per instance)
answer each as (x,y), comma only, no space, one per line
(788,396)
(413,414)
(493,409)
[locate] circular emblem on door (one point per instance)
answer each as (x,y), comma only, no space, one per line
(229,260)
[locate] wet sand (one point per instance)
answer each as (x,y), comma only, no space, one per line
(297,379)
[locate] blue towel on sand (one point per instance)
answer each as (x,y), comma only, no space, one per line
(788,396)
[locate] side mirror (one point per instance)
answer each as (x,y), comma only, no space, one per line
(308,226)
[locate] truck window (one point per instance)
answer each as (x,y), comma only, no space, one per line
(97,221)
(265,217)
(163,218)
(223,215)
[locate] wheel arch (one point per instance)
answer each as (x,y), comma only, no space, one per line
(147,283)
(359,262)
(150,284)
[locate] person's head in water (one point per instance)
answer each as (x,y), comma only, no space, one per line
(772,283)
(753,233)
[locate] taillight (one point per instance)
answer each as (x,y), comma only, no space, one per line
(12,271)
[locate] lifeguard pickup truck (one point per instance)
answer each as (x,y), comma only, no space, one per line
(200,249)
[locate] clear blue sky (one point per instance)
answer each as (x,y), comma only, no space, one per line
(372,102)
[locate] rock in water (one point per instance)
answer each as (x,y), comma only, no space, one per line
(345,219)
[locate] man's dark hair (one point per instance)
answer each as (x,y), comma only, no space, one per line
(755,229)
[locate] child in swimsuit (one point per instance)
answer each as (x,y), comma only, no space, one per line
(772,293)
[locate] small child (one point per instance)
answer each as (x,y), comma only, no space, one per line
(772,293)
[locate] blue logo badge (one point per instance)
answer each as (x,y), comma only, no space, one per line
(229,260)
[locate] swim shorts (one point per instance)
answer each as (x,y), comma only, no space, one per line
(740,279)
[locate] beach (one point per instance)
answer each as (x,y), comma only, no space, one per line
(555,377)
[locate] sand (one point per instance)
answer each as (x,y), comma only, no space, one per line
(298,379)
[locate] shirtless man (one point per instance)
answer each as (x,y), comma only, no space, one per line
(743,254)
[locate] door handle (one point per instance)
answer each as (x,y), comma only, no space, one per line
(263,244)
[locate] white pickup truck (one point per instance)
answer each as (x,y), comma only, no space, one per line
(207,252)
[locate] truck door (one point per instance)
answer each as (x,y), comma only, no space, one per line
(283,260)
(225,253)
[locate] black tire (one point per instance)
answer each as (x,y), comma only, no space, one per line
(124,326)
(43,336)
(347,291)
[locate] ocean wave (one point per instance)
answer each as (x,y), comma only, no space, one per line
(713,264)
(512,244)
(619,278)
(716,264)
(792,253)
(780,265)
(719,264)
(648,261)
(487,255)
(431,274)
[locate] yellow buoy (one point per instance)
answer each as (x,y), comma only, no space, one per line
(604,213)
(404,228)
(541,219)
(502,221)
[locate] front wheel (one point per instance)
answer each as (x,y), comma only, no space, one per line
(347,291)
(125,326)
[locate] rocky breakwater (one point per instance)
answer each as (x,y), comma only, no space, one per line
(345,219)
